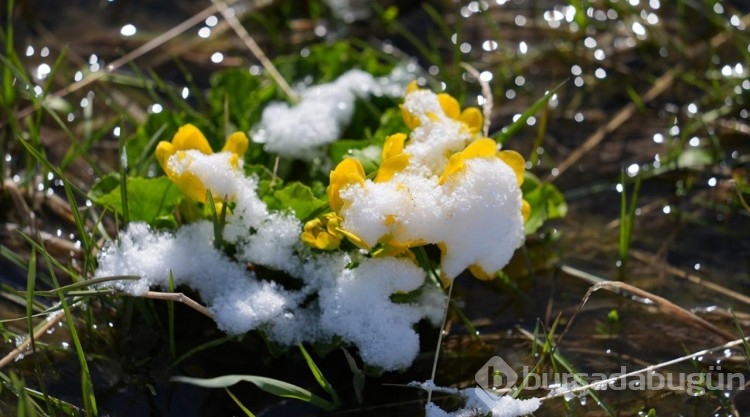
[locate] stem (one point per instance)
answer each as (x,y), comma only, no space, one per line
(439,342)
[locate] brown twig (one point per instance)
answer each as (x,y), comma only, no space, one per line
(666,306)
(180,298)
(486,94)
(41,330)
(248,40)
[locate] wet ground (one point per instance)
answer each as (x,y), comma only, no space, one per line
(655,93)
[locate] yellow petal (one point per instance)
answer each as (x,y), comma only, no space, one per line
(191,186)
(394,145)
(525,210)
(450,106)
(311,225)
(411,121)
(412,87)
(354,239)
(346,172)
(480,273)
(480,148)
(515,161)
(454,165)
(473,119)
(236,143)
(391,166)
(325,241)
(164,151)
(483,147)
(308,238)
(189,137)
(332,222)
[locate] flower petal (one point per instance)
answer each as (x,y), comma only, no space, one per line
(473,119)
(480,273)
(391,166)
(394,145)
(346,172)
(191,186)
(450,106)
(354,239)
(480,148)
(525,210)
(411,120)
(412,87)
(164,151)
(515,161)
(236,143)
(189,137)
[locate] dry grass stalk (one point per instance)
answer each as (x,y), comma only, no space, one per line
(665,306)
(248,40)
(180,298)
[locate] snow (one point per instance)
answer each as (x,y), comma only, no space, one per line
(478,403)
(323,112)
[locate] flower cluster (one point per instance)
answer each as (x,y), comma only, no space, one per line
(442,184)
(335,293)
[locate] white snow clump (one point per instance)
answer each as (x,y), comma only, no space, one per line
(478,403)
(322,114)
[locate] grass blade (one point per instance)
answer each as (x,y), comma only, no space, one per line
(87,387)
(30,283)
(319,375)
(239,403)
(505,133)
(269,385)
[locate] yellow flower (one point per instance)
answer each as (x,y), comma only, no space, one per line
(321,232)
(187,138)
(471,117)
(325,233)
(348,171)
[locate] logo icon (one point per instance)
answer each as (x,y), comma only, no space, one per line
(496,373)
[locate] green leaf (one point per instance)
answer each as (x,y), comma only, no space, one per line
(149,199)
(546,201)
(345,147)
(297,197)
(269,385)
